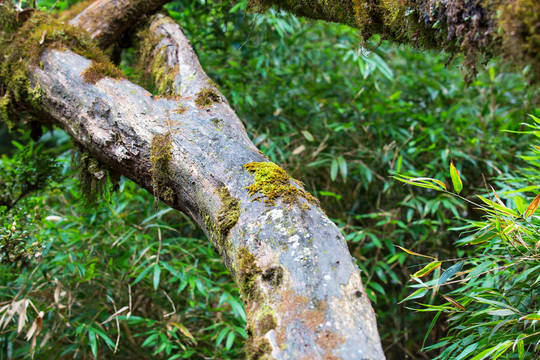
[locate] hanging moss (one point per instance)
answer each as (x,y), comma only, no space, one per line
(229,212)
(95,178)
(247,273)
(22,41)
(160,157)
(273,183)
(479,30)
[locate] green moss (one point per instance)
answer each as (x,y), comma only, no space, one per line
(519,25)
(258,349)
(22,42)
(247,273)
(455,26)
(160,157)
(94,178)
(153,63)
(273,183)
(99,70)
(229,212)
(206,97)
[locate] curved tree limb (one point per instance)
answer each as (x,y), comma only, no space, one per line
(106,20)
(302,290)
(477,29)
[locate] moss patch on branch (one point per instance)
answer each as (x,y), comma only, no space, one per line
(206,97)
(229,212)
(160,157)
(157,74)
(273,183)
(22,41)
(99,70)
(247,274)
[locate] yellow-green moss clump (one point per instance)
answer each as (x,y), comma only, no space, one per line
(229,212)
(22,41)
(247,273)
(99,70)
(160,157)
(153,63)
(273,183)
(207,97)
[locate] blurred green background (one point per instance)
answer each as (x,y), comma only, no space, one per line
(339,114)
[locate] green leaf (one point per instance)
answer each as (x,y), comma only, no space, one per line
(415,295)
(520,204)
(431,327)
(342,167)
(230,340)
(451,271)
(93,341)
(456,180)
(501,312)
(308,135)
(157,275)
(535,317)
(414,253)
(334,170)
(469,349)
(521,349)
(427,269)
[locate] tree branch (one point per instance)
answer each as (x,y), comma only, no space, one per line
(106,20)
(301,289)
(477,29)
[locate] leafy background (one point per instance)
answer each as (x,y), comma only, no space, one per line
(340,114)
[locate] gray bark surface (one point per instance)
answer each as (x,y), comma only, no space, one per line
(301,288)
(106,20)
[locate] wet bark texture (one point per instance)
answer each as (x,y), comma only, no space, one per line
(301,288)
(107,20)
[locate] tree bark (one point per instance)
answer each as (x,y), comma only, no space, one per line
(476,29)
(301,288)
(106,20)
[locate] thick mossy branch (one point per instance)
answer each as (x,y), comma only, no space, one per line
(477,29)
(273,183)
(21,45)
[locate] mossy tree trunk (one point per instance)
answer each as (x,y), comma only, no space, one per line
(301,288)
(477,29)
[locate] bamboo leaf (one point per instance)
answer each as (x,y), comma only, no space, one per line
(415,295)
(533,206)
(454,302)
(414,253)
(456,180)
(427,269)
(501,312)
